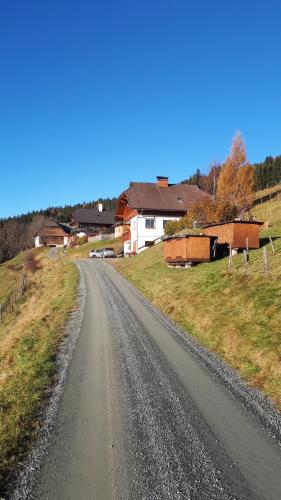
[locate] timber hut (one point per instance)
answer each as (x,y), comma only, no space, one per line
(53,234)
(237,233)
(181,249)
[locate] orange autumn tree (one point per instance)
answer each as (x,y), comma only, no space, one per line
(236,181)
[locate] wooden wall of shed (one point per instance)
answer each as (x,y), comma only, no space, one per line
(54,240)
(198,249)
(236,234)
(224,232)
(243,231)
(194,249)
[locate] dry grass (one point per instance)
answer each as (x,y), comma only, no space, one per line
(10,274)
(236,315)
(28,341)
(267,192)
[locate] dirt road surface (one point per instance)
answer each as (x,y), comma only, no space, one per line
(146,414)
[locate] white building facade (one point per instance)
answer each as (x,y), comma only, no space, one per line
(146,230)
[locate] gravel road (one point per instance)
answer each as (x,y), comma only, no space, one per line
(148,414)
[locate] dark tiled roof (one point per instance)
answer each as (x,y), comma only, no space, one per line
(175,197)
(93,216)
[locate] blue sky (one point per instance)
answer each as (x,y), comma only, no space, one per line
(95,94)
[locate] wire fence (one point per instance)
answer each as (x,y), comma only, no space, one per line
(265,264)
(14,297)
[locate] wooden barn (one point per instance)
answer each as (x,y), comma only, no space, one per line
(53,234)
(188,248)
(236,233)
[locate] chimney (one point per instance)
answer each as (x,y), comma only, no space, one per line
(100,207)
(162,181)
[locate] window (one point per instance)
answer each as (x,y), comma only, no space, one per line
(149,243)
(165,222)
(149,223)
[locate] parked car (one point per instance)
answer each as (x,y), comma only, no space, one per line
(97,253)
(108,253)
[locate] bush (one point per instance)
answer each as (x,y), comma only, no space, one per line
(175,226)
(31,263)
(83,240)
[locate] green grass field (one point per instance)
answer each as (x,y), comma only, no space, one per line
(236,315)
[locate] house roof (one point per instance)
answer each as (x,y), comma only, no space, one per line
(234,221)
(53,228)
(93,216)
(188,235)
(175,197)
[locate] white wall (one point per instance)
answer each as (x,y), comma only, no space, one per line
(127,247)
(101,237)
(37,242)
(141,234)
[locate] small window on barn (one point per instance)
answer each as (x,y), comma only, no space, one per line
(165,222)
(149,223)
(149,243)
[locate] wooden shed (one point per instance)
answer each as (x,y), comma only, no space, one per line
(235,233)
(188,248)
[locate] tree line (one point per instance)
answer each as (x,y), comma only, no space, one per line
(18,233)
(266,174)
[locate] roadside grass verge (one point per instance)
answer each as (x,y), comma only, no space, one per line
(236,315)
(29,338)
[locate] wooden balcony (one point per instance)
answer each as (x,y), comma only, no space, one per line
(126,235)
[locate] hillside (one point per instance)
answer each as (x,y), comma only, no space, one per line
(29,337)
(236,315)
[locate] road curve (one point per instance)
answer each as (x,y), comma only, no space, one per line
(142,418)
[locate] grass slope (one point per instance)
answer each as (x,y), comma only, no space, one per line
(236,315)
(267,192)
(29,338)
(9,277)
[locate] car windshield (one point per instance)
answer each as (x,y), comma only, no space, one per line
(109,249)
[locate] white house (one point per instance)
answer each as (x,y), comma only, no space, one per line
(145,207)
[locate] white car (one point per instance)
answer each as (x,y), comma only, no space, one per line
(96,253)
(108,253)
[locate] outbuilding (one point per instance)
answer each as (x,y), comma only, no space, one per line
(53,234)
(180,249)
(237,233)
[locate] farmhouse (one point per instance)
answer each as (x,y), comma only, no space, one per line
(237,233)
(53,234)
(93,220)
(145,207)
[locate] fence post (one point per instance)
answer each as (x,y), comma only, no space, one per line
(246,260)
(230,258)
(265,261)
(271,243)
